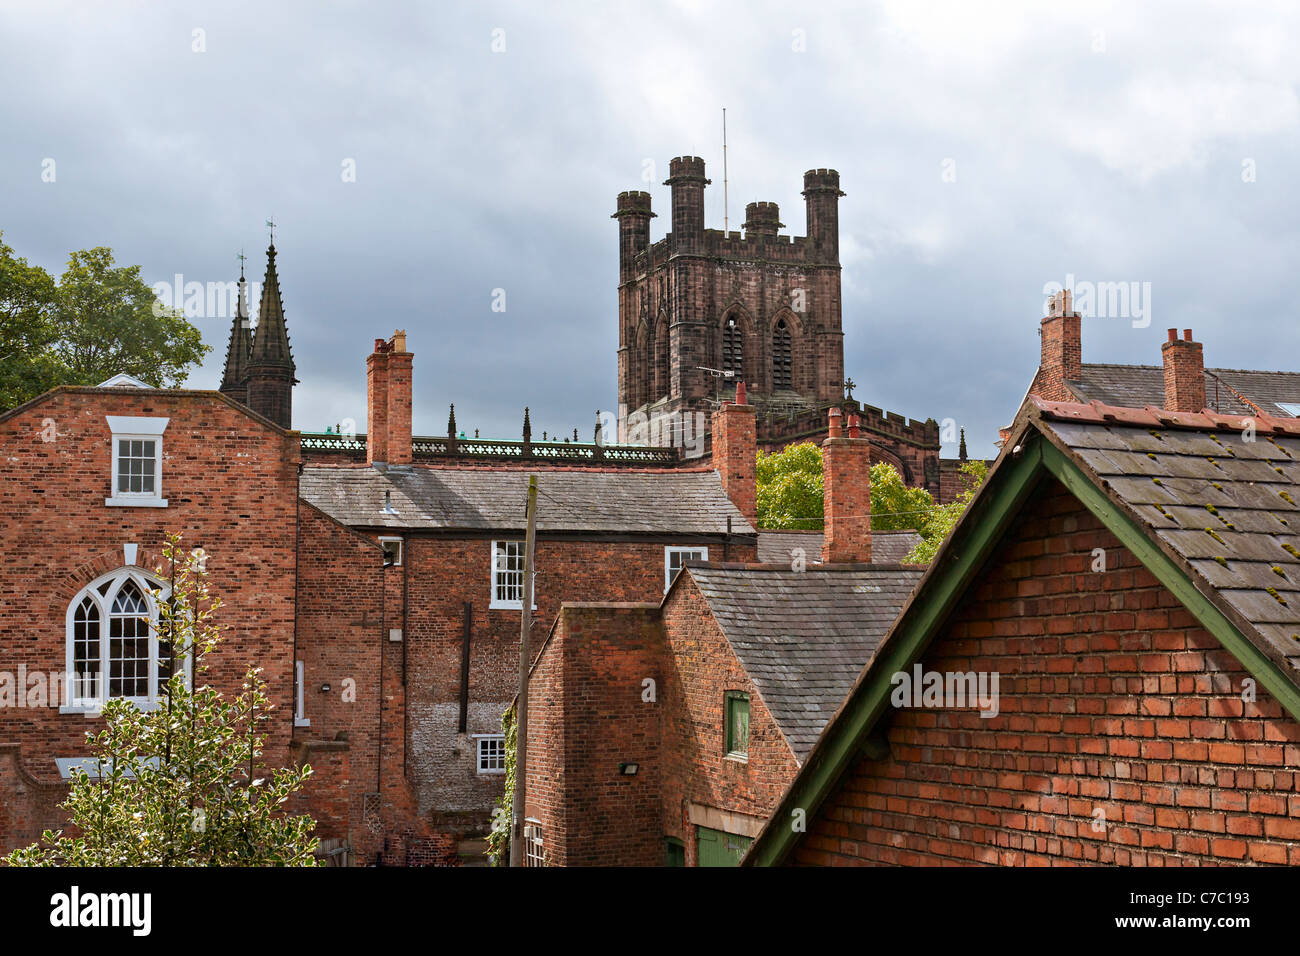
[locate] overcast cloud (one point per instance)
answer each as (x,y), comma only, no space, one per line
(1106,142)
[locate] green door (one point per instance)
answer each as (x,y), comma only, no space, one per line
(717,848)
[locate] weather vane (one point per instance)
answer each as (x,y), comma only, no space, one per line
(270,224)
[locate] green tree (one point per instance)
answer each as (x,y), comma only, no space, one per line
(942,519)
(108,321)
(498,841)
(790,487)
(791,494)
(99,320)
(895,506)
(28,363)
(183,784)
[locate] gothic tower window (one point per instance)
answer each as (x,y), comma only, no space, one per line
(782,368)
(732,351)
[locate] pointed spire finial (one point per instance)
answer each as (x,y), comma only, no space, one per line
(528,427)
(961,452)
(270,225)
(451,422)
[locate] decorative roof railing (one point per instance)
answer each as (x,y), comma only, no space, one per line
(435,448)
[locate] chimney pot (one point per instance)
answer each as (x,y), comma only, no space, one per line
(1173,335)
(742,398)
(1187,335)
(835,419)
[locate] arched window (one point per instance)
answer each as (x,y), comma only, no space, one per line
(112,642)
(782,367)
(733,357)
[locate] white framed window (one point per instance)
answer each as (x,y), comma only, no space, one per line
(392,551)
(300,718)
(534,849)
(491,753)
(113,648)
(1291,408)
(675,557)
(508,576)
(137,462)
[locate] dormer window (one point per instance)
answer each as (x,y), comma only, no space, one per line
(137,462)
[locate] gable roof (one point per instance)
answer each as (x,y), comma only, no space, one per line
(887,547)
(803,636)
(1148,475)
(482,499)
(1137,386)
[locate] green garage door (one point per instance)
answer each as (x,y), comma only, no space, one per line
(717,848)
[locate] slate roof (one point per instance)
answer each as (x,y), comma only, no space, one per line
(887,547)
(480,499)
(803,637)
(1230,508)
(1137,386)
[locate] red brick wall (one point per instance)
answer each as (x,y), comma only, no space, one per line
(444,574)
(588,713)
(340,639)
(231,485)
(1112,699)
(700,670)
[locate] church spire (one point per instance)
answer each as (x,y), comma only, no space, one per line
(271,340)
(270,363)
(234,380)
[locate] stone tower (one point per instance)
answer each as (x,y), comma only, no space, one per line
(259,367)
(761,305)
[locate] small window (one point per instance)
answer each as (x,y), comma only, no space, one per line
(137,452)
(392,552)
(1291,408)
(674,558)
(300,718)
(492,753)
(508,575)
(737,724)
(534,852)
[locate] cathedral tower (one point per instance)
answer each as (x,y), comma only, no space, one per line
(762,306)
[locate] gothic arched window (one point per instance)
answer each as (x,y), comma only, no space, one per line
(732,346)
(112,642)
(782,362)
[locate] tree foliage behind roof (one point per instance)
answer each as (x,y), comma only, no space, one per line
(98,320)
(791,496)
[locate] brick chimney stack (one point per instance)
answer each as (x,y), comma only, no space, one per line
(846,481)
(1062,349)
(735,452)
(399,400)
(1184,362)
(388,402)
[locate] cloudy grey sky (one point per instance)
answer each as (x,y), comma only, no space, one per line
(986,150)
